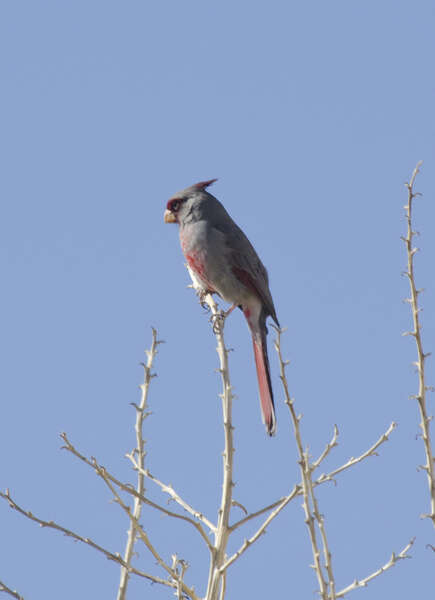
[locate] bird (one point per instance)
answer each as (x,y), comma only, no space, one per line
(224,262)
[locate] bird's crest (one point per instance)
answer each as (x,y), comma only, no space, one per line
(203,184)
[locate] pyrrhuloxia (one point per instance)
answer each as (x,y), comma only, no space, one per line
(224,262)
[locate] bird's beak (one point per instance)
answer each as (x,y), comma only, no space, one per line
(169,217)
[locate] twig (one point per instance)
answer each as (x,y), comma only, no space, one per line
(329,446)
(180,567)
(325,476)
(321,523)
(311,515)
(363,582)
(222,532)
(353,461)
(257,513)
(7,590)
(116,557)
(416,334)
(146,540)
(168,489)
(92,462)
(141,414)
(247,543)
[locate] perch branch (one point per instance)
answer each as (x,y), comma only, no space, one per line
(216,579)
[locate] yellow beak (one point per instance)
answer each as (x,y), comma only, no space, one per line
(169,217)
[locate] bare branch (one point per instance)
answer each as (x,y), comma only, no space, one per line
(146,540)
(216,580)
(313,515)
(180,566)
(353,461)
(168,489)
(308,492)
(257,513)
(247,543)
(416,334)
(116,557)
(7,590)
(141,414)
(363,582)
(125,487)
(327,450)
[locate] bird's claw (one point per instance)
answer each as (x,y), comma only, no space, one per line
(218,321)
(202,301)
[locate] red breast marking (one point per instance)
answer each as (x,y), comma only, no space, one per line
(197,267)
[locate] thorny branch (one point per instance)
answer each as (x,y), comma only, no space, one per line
(92,462)
(353,461)
(216,580)
(395,558)
(7,590)
(168,489)
(311,506)
(116,557)
(416,334)
(219,561)
(139,452)
(141,533)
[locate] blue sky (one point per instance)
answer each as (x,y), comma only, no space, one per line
(312,115)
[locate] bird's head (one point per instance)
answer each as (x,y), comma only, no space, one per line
(182,203)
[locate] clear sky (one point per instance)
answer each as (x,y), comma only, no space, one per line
(312,115)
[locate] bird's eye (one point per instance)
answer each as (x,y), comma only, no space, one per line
(175,205)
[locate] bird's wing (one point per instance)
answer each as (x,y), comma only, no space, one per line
(247,266)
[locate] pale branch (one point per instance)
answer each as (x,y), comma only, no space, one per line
(308,490)
(416,334)
(261,530)
(395,558)
(180,566)
(321,524)
(139,451)
(129,489)
(223,586)
(325,476)
(146,540)
(8,590)
(168,489)
(353,461)
(222,533)
(329,446)
(116,557)
(257,513)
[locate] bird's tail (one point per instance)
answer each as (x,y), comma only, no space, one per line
(263,374)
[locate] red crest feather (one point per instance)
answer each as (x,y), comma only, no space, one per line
(204,184)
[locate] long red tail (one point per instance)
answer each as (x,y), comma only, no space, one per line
(264,383)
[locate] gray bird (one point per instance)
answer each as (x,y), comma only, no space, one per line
(224,262)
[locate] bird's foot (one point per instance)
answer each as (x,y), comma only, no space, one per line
(218,321)
(202,301)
